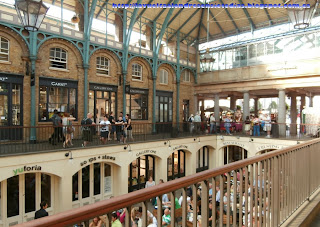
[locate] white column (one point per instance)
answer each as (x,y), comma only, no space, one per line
(293,115)
(63,202)
(282,112)
(246,107)
(217,109)
(233,100)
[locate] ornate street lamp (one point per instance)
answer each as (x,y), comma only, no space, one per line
(31,13)
(301,17)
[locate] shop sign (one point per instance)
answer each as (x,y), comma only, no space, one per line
(57,83)
(146,152)
(26,169)
(100,157)
(130,90)
(269,146)
(180,147)
(233,143)
(101,87)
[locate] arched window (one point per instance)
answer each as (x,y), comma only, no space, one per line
(103,66)
(4,49)
(139,172)
(163,76)
(136,72)
(58,58)
(95,181)
(176,165)
(186,76)
(202,159)
(234,153)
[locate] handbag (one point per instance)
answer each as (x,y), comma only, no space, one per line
(70,129)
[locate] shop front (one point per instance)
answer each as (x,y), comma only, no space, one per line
(234,153)
(11,111)
(139,172)
(176,165)
(164,111)
(202,159)
(21,194)
(56,94)
(137,103)
(102,100)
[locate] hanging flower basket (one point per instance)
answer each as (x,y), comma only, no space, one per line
(75,19)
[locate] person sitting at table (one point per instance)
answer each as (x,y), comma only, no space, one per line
(166,218)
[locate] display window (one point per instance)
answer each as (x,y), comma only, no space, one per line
(137,103)
(176,165)
(60,95)
(202,159)
(234,153)
(139,172)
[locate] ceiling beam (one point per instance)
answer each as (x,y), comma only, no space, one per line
(200,22)
(140,14)
(267,13)
(177,14)
(101,8)
(230,17)
(189,33)
(194,13)
(248,15)
(215,20)
(157,17)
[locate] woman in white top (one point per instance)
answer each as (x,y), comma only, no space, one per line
(150,182)
(104,130)
(67,129)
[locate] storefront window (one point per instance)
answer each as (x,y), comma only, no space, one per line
(13,196)
(137,106)
(139,172)
(75,187)
(176,165)
(234,153)
(107,179)
(4,49)
(136,72)
(30,192)
(86,182)
(164,107)
(58,95)
(97,178)
(46,188)
(202,159)
(58,58)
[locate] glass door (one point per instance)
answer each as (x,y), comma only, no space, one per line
(4,121)
(164,114)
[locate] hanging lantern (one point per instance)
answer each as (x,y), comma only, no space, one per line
(31,13)
(207,61)
(301,17)
(75,19)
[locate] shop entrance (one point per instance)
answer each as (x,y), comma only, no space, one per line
(10,110)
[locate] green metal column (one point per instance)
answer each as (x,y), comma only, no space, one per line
(125,60)
(154,75)
(86,55)
(33,58)
(178,78)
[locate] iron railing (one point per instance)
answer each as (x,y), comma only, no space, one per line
(16,139)
(260,191)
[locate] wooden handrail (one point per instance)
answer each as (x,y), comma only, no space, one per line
(107,206)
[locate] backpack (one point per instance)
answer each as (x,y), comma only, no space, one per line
(84,122)
(190,119)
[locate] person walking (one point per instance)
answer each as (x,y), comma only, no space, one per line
(256,126)
(56,121)
(197,122)
(42,212)
(227,124)
(67,129)
(104,130)
(87,131)
(129,127)
(113,127)
(212,124)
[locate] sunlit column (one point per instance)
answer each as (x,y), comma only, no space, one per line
(293,114)
(246,106)
(282,112)
(217,109)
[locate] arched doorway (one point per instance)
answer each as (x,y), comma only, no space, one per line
(234,153)
(176,165)
(202,159)
(92,183)
(22,195)
(139,172)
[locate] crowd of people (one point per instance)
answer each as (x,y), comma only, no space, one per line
(254,125)
(109,128)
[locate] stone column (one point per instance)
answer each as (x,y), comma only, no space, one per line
(311,101)
(196,105)
(302,105)
(217,109)
(233,100)
(246,107)
(293,115)
(202,109)
(256,106)
(282,112)
(65,193)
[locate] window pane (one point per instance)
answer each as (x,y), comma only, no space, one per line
(85,182)
(58,99)
(43,103)
(97,179)
(75,187)
(72,102)
(13,196)
(4,110)
(58,58)
(30,192)
(134,167)
(169,163)
(46,188)
(107,179)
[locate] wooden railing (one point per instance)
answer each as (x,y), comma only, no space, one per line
(260,191)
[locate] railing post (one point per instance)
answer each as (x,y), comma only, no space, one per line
(204,203)
(276,192)
(184,207)
(144,213)
(173,206)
